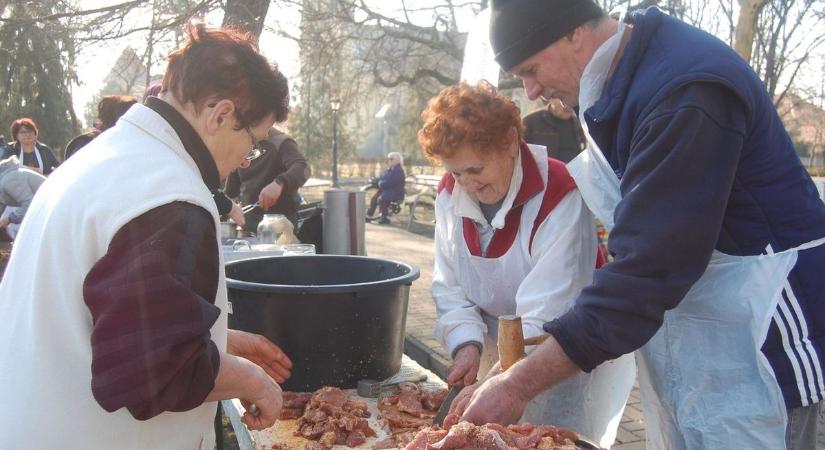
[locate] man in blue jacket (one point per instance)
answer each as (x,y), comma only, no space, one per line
(705,180)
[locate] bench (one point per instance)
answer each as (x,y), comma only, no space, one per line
(418,187)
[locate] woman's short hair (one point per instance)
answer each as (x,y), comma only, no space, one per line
(23,122)
(396,156)
(462,115)
(226,63)
(111,107)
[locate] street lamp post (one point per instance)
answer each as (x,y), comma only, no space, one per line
(335,105)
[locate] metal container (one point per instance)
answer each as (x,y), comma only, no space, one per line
(228,230)
(344,218)
(339,318)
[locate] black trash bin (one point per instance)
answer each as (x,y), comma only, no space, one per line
(339,318)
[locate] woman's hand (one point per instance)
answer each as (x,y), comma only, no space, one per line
(267,397)
(236,214)
(260,351)
(465,366)
(242,379)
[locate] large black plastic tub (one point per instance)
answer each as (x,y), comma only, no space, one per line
(339,318)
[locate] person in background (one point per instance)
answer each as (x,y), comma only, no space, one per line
(109,109)
(17,187)
(716,229)
(390,188)
(31,152)
(556,128)
(115,286)
(272,180)
(152,91)
(512,236)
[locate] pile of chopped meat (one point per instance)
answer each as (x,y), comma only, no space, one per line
(465,435)
(411,410)
(294,404)
(329,417)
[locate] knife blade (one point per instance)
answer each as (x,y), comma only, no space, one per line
(445,406)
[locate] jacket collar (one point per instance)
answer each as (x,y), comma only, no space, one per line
(192,142)
(645,23)
(525,183)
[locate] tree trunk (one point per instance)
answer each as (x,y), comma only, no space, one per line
(247,15)
(746,27)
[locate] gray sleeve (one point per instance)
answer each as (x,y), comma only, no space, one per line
(21,187)
(297,170)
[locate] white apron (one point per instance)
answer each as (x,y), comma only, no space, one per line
(592,404)
(704,381)
(39,167)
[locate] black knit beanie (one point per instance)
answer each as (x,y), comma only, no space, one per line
(521,28)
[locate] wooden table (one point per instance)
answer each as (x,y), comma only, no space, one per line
(282,430)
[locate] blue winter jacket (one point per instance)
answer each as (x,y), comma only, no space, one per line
(704,163)
(391,183)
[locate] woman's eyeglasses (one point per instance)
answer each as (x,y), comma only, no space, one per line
(256,150)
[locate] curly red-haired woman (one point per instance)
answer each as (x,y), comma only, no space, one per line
(513,236)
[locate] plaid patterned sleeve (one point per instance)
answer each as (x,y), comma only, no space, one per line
(152,303)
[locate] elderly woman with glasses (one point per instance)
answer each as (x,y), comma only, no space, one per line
(123,325)
(513,237)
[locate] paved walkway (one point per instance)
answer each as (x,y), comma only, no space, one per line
(394,242)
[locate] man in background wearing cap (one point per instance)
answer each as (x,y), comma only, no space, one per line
(703,179)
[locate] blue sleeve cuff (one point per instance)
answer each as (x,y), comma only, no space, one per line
(569,331)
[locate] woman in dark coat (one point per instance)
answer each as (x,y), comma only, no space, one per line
(31,153)
(390,188)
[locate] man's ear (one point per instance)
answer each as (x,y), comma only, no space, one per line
(219,116)
(576,37)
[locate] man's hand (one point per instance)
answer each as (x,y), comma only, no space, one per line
(260,351)
(463,398)
(269,195)
(236,214)
(465,366)
(4,222)
(501,398)
(496,400)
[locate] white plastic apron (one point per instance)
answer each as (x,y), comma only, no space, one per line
(591,404)
(39,167)
(705,384)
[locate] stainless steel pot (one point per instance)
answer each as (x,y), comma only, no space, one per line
(229,230)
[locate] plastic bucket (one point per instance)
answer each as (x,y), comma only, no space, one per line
(339,318)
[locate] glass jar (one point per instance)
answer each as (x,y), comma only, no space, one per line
(267,231)
(299,249)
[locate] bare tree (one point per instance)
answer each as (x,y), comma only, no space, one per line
(788,35)
(247,15)
(746,27)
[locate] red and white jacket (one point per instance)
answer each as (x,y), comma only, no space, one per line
(534,257)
